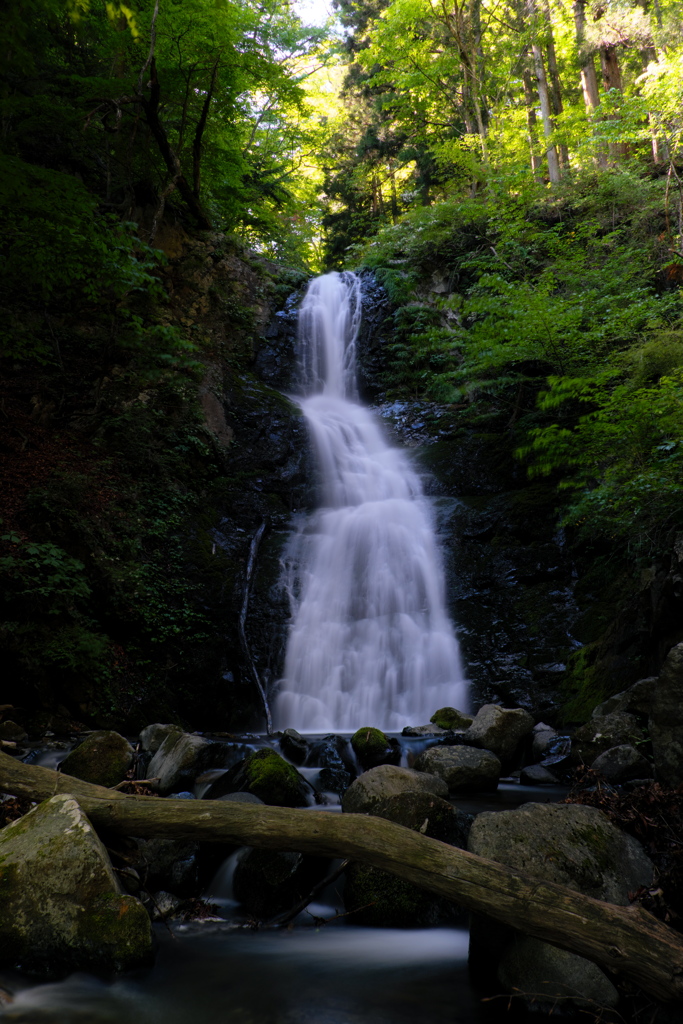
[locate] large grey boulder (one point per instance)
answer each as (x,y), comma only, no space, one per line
(602,732)
(637,700)
(152,736)
(378,784)
(60,903)
(568,844)
(499,730)
(549,974)
(463,769)
(103,758)
(622,764)
(428,814)
(666,720)
(543,738)
(180,759)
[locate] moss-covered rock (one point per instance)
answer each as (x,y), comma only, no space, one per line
(103,758)
(60,904)
(373,748)
(571,845)
(463,769)
(451,718)
(373,787)
(267,882)
(268,776)
(379,900)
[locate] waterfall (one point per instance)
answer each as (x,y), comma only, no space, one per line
(371,642)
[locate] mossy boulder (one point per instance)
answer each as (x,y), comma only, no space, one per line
(500,730)
(571,845)
(551,976)
(103,758)
(376,899)
(268,776)
(373,748)
(463,769)
(451,718)
(268,882)
(428,814)
(60,904)
(379,784)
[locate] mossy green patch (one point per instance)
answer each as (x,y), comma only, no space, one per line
(274,780)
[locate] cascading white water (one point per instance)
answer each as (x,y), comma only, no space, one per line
(371,642)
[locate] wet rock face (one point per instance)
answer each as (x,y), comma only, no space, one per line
(666,719)
(60,904)
(375,332)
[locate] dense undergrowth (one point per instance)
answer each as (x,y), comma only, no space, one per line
(559,314)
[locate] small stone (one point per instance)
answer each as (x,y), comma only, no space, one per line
(103,758)
(378,784)
(9,730)
(622,764)
(164,905)
(424,731)
(451,718)
(241,798)
(543,738)
(463,769)
(428,814)
(537,775)
(293,746)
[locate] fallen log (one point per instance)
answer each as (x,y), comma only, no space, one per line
(624,939)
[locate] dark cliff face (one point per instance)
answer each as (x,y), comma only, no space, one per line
(131,502)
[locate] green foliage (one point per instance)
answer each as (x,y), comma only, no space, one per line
(44,575)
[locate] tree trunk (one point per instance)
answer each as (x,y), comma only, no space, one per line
(626,939)
(151,109)
(544,98)
(554,80)
(589,78)
(531,123)
(611,79)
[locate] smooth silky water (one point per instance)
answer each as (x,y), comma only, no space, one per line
(370,644)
